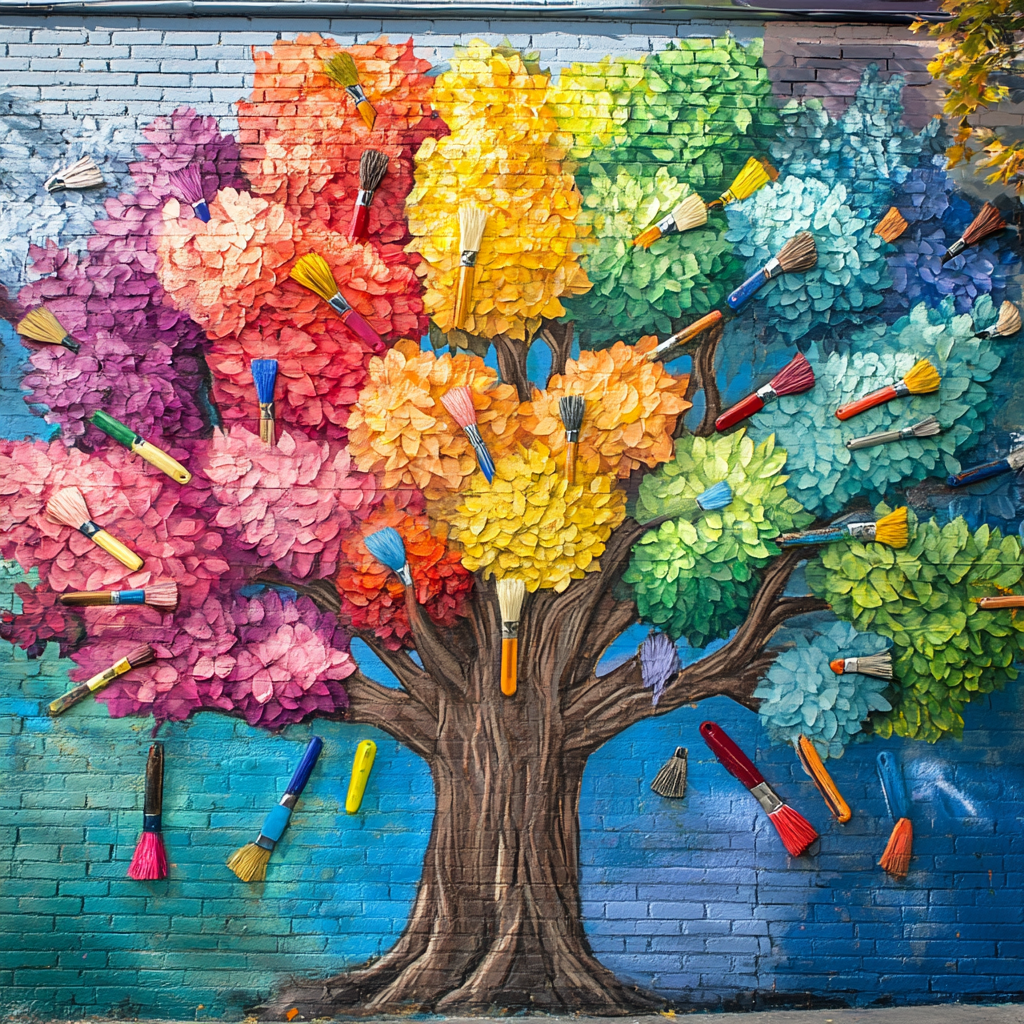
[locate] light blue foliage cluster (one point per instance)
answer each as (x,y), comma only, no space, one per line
(801,693)
(825,475)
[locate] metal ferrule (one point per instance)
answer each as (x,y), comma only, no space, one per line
(572,436)
(767,393)
(356,92)
(861,531)
(128,597)
(468,258)
(266,410)
(338,304)
(667,225)
(289,800)
(364,197)
(151,822)
(473,433)
(89,529)
(954,250)
(509,630)
(727,197)
(850,665)
(771,268)
(766,797)
(901,389)
(1015,460)
(265,843)
(405,575)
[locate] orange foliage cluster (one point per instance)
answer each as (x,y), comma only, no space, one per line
(400,430)
(373,598)
(632,408)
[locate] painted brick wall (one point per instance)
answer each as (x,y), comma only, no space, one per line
(695,900)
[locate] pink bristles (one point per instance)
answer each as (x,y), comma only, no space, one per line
(795,831)
(795,377)
(150,860)
(459,402)
(188,183)
(163,594)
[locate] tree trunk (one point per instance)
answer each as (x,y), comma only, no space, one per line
(496,923)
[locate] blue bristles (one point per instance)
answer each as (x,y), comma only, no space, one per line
(716,496)
(388,548)
(264,376)
(892,785)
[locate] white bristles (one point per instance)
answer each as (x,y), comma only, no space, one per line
(511,594)
(81,174)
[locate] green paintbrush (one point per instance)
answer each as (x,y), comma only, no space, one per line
(138,444)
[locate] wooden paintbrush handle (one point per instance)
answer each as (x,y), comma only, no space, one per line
(70,699)
(154,781)
(464,296)
(1003,601)
(880,397)
(114,547)
(509,665)
(159,458)
(360,222)
(747,289)
(977,473)
(740,411)
(357,324)
(570,462)
(733,759)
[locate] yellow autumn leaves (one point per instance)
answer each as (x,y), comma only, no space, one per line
(504,154)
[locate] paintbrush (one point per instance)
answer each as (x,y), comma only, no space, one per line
(312,272)
(189,185)
(373,165)
(140,656)
(690,213)
(1003,601)
(472,223)
(896,858)
(659,662)
(921,379)
(797,256)
(890,530)
(878,665)
(794,830)
(459,403)
(988,222)
(671,780)
(163,595)
(680,338)
(341,69)
(891,226)
(1009,322)
(150,859)
(68,508)
(138,444)
(571,409)
(388,548)
(812,764)
(264,376)
(250,862)
(928,427)
(511,595)
(754,175)
(1012,462)
(794,378)
(80,175)
(42,325)
(361,765)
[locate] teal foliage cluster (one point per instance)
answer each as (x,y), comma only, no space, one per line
(801,695)
(824,475)
(696,579)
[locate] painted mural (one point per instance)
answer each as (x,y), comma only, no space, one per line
(480,375)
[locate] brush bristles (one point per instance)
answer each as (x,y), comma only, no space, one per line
(341,69)
(795,831)
(799,254)
(571,408)
(896,858)
(511,595)
(312,272)
(80,175)
(472,222)
(922,378)
(1009,321)
(189,183)
(794,378)
(42,325)
(879,665)
(892,529)
(163,594)
(264,376)
(988,221)
(459,403)
(250,863)
(387,547)
(373,165)
(891,226)
(928,427)
(754,175)
(690,213)
(715,497)
(150,859)
(141,656)
(68,508)
(671,780)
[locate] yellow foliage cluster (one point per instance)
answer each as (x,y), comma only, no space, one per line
(529,523)
(400,431)
(505,154)
(632,408)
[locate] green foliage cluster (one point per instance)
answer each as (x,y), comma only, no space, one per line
(639,291)
(851,273)
(696,580)
(824,475)
(802,695)
(947,650)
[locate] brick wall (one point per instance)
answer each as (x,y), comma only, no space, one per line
(695,900)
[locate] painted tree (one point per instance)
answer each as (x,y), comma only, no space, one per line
(269,543)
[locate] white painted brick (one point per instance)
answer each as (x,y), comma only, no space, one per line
(137,38)
(66,35)
(163,52)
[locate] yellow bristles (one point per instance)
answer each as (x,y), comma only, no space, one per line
(472,223)
(341,69)
(891,226)
(754,175)
(922,378)
(250,863)
(892,529)
(312,272)
(42,325)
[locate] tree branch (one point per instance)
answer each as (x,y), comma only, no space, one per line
(447,671)
(558,337)
(393,711)
(702,378)
(419,684)
(512,364)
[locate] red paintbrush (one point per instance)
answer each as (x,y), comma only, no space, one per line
(793,379)
(794,830)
